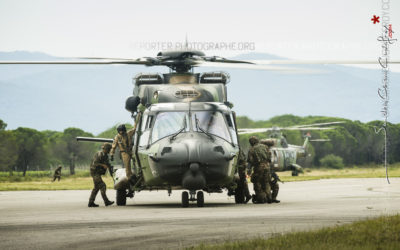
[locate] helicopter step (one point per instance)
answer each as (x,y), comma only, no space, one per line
(186,198)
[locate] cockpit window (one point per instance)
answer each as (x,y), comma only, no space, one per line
(211,122)
(169,123)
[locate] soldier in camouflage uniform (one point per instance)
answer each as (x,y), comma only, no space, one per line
(57,174)
(259,158)
(275,187)
(274,176)
(242,186)
(123,140)
(98,168)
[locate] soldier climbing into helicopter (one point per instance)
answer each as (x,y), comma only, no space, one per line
(124,141)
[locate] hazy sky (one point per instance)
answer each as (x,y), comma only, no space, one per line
(307,29)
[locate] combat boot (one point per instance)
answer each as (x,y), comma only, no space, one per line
(248,198)
(255,200)
(275,201)
(108,203)
(92,204)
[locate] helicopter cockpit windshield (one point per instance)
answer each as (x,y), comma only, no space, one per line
(170,123)
(212,123)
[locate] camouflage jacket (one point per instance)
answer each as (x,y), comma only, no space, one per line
(99,158)
(57,172)
(123,142)
(241,162)
(258,154)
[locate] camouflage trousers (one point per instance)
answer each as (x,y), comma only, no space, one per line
(243,182)
(56,177)
(98,185)
(275,189)
(126,159)
(261,180)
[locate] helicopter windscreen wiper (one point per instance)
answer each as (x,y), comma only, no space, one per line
(167,124)
(180,131)
(213,123)
(200,128)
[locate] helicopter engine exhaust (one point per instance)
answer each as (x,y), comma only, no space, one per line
(194,179)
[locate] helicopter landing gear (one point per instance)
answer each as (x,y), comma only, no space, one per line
(186,198)
(121,197)
(200,199)
(239,196)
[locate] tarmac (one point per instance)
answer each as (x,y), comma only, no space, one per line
(154,220)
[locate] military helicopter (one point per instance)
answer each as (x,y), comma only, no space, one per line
(187,136)
(284,156)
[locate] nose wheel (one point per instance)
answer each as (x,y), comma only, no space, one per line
(199,199)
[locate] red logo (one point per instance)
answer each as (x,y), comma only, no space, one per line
(375,19)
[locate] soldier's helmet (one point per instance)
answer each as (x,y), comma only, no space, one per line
(107,146)
(253,140)
(121,128)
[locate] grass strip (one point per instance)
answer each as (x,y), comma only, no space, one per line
(41,180)
(379,233)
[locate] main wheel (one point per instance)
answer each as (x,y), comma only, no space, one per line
(200,199)
(185,199)
(121,197)
(295,173)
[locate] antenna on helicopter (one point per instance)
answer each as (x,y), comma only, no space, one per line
(186,43)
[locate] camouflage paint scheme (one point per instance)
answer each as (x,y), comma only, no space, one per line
(191,160)
(161,170)
(172,92)
(284,156)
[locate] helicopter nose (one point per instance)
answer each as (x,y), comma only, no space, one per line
(193,179)
(192,161)
(194,168)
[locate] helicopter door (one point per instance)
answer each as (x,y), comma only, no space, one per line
(145,130)
(274,157)
(231,125)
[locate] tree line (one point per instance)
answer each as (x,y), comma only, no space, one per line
(354,142)
(26,149)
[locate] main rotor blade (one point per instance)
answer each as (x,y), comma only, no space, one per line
(262,130)
(258,67)
(310,128)
(253,130)
(76,62)
(104,58)
(301,62)
(317,124)
(94,139)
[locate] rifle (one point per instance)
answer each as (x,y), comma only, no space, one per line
(275,178)
(111,171)
(248,169)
